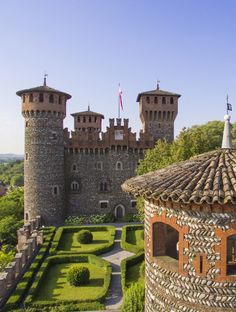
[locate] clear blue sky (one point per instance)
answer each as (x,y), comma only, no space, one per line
(87,47)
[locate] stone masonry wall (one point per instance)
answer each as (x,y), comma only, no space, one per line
(89,171)
(188,289)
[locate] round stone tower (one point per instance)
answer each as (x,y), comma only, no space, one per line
(44,109)
(190,232)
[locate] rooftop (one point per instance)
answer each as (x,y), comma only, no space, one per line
(157,92)
(43,88)
(207,178)
(87,113)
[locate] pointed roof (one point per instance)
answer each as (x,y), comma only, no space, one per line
(43,89)
(157,92)
(87,113)
(207,178)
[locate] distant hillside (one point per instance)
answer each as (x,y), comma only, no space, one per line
(12,172)
(9,157)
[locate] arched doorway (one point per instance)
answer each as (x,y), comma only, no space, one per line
(119,211)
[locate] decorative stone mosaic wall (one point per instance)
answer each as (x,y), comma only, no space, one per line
(189,289)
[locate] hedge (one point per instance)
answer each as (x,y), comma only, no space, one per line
(126,263)
(72,229)
(24,284)
(29,302)
(127,246)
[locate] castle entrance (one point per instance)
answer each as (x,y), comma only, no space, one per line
(119,211)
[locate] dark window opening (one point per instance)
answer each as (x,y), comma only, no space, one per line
(51,98)
(26,124)
(41,98)
(163,100)
(26,216)
(26,156)
(95,119)
(201,264)
(23,98)
(31,99)
(90,119)
(103,187)
(78,119)
(165,241)
(74,186)
(84,119)
(55,190)
(171,100)
(59,99)
(133,203)
(148,99)
(104,204)
(155,100)
(231,255)
(54,136)
(74,167)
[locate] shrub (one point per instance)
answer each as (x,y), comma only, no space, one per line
(85,237)
(90,219)
(139,246)
(142,269)
(134,299)
(78,275)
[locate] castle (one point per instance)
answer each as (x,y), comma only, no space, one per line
(81,172)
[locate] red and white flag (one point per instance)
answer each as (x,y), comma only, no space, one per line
(120,98)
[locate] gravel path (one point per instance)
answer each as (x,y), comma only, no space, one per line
(115,256)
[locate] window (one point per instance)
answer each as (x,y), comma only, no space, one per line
(148,99)
(133,203)
(26,156)
(23,98)
(201,264)
(103,203)
(231,255)
(74,186)
(165,240)
(31,99)
(55,190)
(26,124)
(41,98)
(103,187)
(51,98)
(59,99)
(90,119)
(95,119)
(84,119)
(163,100)
(119,165)
(78,119)
(171,100)
(99,165)
(155,100)
(26,216)
(54,136)
(74,167)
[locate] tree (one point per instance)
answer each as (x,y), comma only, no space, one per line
(5,257)
(134,298)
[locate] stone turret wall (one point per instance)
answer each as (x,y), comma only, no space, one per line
(44,167)
(180,285)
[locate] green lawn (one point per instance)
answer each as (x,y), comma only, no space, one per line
(132,274)
(69,242)
(135,237)
(55,287)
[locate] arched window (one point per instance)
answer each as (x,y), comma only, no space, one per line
(163,100)
(155,100)
(165,240)
(41,98)
(74,186)
(159,115)
(119,165)
(90,119)
(164,115)
(51,98)
(31,98)
(171,100)
(231,255)
(55,190)
(59,99)
(168,115)
(155,115)
(150,115)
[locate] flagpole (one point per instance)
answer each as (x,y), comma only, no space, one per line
(227,100)
(119,101)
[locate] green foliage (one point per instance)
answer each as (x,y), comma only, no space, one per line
(85,237)
(142,269)
(6,256)
(26,281)
(12,173)
(128,263)
(133,217)
(51,262)
(8,229)
(78,275)
(69,307)
(134,299)
(90,219)
(63,240)
(132,238)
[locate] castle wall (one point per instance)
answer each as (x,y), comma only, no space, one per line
(180,285)
(44,167)
(90,170)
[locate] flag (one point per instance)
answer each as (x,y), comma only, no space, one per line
(120,98)
(229,107)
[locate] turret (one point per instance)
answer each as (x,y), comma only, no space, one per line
(44,109)
(158,110)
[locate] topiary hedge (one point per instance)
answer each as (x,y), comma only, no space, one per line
(125,264)
(85,237)
(73,229)
(134,299)
(29,302)
(131,247)
(78,275)
(24,284)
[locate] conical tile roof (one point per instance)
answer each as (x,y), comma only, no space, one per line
(207,178)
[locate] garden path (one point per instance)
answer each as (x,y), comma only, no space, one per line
(115,256)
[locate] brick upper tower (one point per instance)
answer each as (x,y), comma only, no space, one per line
(44,109)
(158,110)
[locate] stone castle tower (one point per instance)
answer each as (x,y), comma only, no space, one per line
(158,110)
(69,173)
(44,109)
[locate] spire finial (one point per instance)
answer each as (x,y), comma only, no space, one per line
(88,106)
(45,79)
(158,84)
